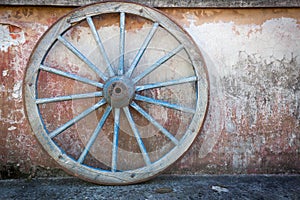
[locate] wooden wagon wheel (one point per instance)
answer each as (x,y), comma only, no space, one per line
(116,92)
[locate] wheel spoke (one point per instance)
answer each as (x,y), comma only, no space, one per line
(68,97)
(155,123)
(95,135)
(142,49)
(115,140)
(167,83)
(82,57)
(122,43)
(71,76)
(100,44)
(137,136)
(158,63)
(76,119)
(163,103)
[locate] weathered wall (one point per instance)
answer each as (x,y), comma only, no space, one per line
(253,61)
(167,3)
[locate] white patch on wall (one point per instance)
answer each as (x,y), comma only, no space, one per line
(223,41)
(231,51)
(17,90)
(10,38)
(4,73)
(11,128)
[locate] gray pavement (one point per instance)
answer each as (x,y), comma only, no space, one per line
(162,187)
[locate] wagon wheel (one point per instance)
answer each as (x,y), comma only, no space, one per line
(116,92)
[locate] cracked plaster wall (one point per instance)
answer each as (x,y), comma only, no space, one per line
(253,61)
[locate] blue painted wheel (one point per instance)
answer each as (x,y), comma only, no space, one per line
(116,92)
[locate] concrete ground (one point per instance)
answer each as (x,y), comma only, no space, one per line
(163,187)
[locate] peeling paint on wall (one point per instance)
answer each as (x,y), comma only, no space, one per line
(255,85)
(17,90)
(10,36)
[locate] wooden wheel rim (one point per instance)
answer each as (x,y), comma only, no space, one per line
(36,64)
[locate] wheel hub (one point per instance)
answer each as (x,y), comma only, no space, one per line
(118,91)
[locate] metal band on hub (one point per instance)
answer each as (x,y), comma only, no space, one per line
(118,91)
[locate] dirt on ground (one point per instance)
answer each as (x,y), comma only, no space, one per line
(162,187)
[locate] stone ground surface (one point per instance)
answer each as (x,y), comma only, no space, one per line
(162,187)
